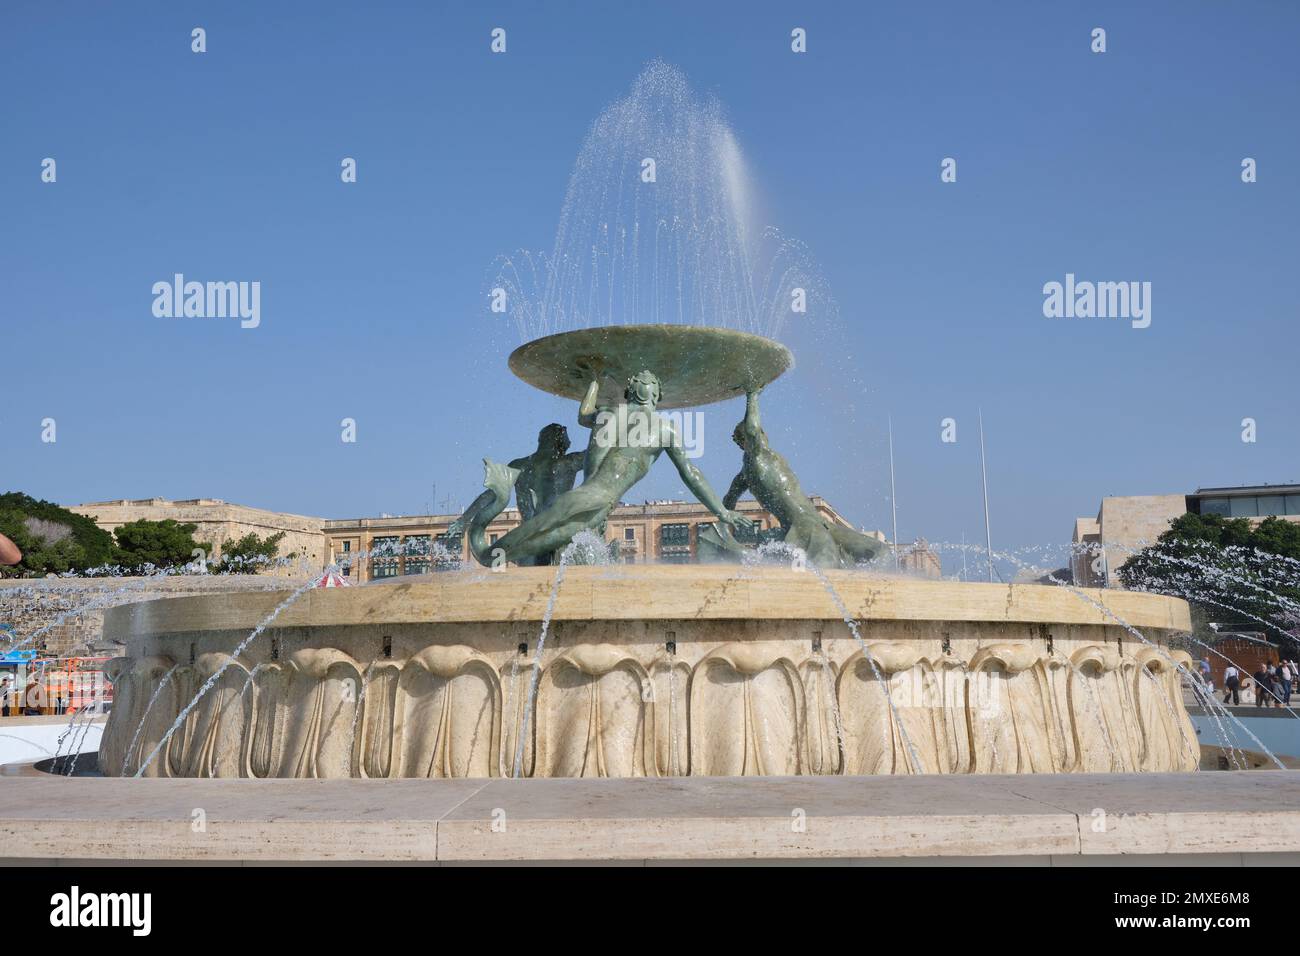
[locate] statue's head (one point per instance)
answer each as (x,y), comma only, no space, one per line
(553,438)
(643,388)
(738,434)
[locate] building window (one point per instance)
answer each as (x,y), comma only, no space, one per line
(671,535)
(1271,505)
(675,543)
(419,543)
(384,561)
(347,546)
(1244,507)
(1251,506)
(629,534)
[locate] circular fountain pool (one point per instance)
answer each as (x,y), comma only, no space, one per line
(650,670)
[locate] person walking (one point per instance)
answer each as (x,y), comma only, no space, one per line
(1284,677)
(34,698)
(1231,685)
(1263,686)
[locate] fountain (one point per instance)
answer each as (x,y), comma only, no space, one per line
(798,658)
(721,669)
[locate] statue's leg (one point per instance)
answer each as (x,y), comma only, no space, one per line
(811,535)
(857,546)
(713,544)
(479,504)
(555,527)
(499,479)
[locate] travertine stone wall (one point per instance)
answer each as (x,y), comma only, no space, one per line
(666,671)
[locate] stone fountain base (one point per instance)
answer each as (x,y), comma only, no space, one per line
(652,671)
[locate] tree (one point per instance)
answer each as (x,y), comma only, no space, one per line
(249,554)
(53,539)
(1238,574)
(159,544)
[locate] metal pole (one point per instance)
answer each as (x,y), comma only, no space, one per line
(893,502)
(984,475)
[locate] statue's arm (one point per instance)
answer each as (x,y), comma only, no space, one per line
(738,487)
(574,462)
(701,488)
(587,410)
(752,424)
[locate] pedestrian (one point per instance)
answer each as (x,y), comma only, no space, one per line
(1232,685)
(1263,686)
(34,695)
(1285,675)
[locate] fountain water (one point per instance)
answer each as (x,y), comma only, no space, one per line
(658,226)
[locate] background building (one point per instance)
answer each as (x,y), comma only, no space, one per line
(1125,525)
(664,531)
(217,521)
(397,545)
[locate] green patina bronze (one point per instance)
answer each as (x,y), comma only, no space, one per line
(540,478)
(766,475)
(623,376)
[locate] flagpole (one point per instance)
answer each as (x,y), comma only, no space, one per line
(893,502)
(984,475)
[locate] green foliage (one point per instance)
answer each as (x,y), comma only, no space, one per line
(52,539)
(249,554)
(1233,570)
(144,545)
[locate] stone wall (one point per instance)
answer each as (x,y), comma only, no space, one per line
(218,522)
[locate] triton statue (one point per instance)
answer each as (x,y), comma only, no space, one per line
(767,475)
(626,440)
(542,477)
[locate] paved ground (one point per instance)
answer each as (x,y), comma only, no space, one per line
(1063,819)
(1247,701)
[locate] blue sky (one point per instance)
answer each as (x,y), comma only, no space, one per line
(225,166)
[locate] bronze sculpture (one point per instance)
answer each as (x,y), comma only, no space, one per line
(627,438)
(541,477)
(767,475)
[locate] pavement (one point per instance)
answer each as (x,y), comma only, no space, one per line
(1047,819)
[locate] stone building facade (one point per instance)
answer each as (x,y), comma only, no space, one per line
(218,522)
(1125,525)
(662,531)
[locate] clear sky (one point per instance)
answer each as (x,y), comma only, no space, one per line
(1119,166)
